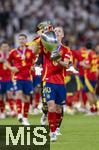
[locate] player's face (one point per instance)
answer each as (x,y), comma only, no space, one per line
(40,32)
(5,47)
(59,32)
(22,40)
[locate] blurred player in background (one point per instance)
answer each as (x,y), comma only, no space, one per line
(80,55)
(22,58)
(36,85)
(6,85)
(37,77)
(97,85)
(91,69)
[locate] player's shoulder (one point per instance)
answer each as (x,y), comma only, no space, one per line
(65,47)
(12,50)
(92,53)
(37,39)
(75,52)
(29,51)
(34,42)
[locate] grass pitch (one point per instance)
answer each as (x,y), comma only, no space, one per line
(79,132)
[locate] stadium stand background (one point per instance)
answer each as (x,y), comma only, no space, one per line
(80,19)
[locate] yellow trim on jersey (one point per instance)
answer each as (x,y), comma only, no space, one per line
(70,94)
(67,79)
(45,74)
(90,87)
(35,42)
(44,99)
(31,43)
(79,84)
(44,83)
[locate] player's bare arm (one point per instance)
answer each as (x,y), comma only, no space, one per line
(85,64)
(64,63)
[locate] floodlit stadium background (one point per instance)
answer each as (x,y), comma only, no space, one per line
(80,19)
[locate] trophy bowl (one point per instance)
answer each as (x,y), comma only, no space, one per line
(51,44)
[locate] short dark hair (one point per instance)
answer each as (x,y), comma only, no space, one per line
(89,44)
(4,42)
(22,34)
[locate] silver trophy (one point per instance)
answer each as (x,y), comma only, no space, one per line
(50,42)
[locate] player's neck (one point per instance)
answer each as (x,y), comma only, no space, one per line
(60,41)
(4,51)
(22,47)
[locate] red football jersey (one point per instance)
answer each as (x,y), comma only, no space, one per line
(5,73)
(92,60)
(52,71)
(98,65)
(80,55)
(24,65)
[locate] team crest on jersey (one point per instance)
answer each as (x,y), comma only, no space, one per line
(28,55)
(84,54)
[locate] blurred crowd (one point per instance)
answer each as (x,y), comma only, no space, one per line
(79,18)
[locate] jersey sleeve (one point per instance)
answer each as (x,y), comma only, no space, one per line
(88,59)
(10,58)
(67,53)
(76,54)
(33,57)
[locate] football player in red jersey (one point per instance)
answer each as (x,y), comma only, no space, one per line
(91,68)
(53,74)
(6,85)
(54,89)
(37,85)
(80,55)
(97,86)
(59,34)
(22,58)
